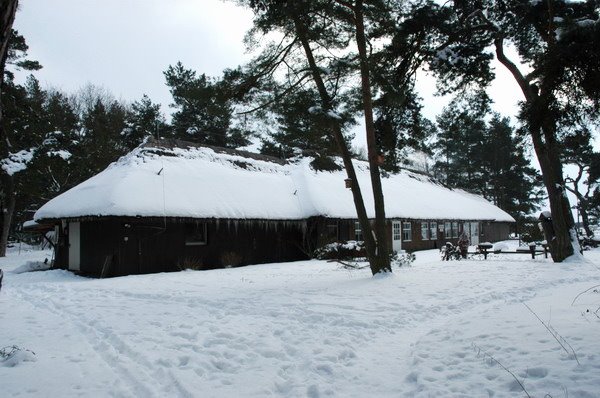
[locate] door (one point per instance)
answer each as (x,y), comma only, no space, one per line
(474,234)
(396,236)
(74,246)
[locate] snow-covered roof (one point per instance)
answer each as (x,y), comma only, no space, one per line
(163,179)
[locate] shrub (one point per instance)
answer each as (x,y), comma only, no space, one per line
(193,263)
(340,250)
(231,259)
(402,259)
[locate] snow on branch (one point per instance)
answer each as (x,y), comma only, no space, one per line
(16,162)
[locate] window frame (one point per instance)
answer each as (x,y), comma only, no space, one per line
(433,230)
(190,239)
(425,234)
(397,231)
(407,231)
(329,228)
(447,229)
(455,229)
(358,234)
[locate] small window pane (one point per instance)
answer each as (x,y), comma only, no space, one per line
(454,229)
(447,229)
(358,235)
(433,230)
(406,231)
(424,230)
(195,234)
(396,230)
(332,233)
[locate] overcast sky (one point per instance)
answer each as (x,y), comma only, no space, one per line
(125,45)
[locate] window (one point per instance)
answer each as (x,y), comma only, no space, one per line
(195,234)
(331,233)
(396,231)
(433,230)
(424,230)
(447,229)
(358,235)
(455,229)
(406,231)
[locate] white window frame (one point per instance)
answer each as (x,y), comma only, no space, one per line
(358,234)
(433,230)
(455,229)
(424,230)
(406,232)
(396,231)
(447,229)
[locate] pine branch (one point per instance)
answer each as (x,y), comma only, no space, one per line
(276,98)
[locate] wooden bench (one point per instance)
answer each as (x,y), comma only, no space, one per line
(486,249)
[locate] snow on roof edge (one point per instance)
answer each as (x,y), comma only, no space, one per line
(295,190)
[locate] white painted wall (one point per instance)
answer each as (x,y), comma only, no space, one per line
(74,246)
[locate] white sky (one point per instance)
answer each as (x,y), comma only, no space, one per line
(125,45)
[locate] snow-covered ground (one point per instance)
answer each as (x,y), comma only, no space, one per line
(307,328)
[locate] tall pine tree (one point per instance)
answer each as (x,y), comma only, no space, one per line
(204,110)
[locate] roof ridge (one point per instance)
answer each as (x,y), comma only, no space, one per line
(172,143)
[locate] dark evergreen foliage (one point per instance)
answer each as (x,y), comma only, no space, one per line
(558,41)
(204,110)
(144,119)
(485,157)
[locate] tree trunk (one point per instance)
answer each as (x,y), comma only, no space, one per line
(542,127)
(8,9)
(582,207)
(585,218)
(382,253)
(547,152)
(7,211)
(363,219)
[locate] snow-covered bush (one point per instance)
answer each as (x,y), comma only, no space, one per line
(402,259)
(12,356)
(33,266)
(340,250)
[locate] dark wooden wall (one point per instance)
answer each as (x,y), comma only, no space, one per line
(137,246)
(494,231)
(141,246)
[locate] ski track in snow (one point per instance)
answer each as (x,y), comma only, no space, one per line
(303,329)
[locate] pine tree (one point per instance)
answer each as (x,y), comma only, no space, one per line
(486,158)
(101,137)
(303,130)
(144,119)
(461,130)
(307,28)
(13,51)
(511,183)
(204,109)
(558,41)
(401,129)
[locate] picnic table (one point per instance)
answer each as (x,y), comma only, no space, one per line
(487,248)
